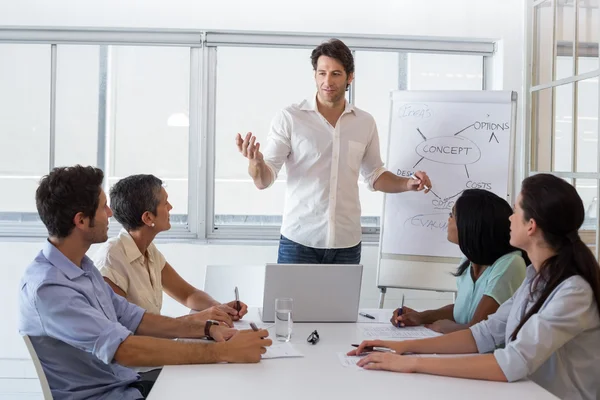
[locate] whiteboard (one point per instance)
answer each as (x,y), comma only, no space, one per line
(462,139)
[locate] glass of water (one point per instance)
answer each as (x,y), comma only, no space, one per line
(283,319)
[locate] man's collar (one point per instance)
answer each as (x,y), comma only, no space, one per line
(310,104)
(66,266)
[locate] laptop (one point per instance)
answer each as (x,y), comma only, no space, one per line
(321,292)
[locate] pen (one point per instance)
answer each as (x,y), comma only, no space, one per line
(366,315)
(376,348)
(400,309)
(413,176)
(237,300)
(253,326)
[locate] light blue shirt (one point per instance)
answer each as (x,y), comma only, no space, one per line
(498,281)
(558,347)
(76,323)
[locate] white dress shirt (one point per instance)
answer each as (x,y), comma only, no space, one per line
(120,260)
(322,206)
(557,347)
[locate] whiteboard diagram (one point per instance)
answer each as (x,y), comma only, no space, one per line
(461,145)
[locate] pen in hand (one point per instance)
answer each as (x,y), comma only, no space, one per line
(413,176)
(376,348)
(238,307)
(254,327)
(399,312)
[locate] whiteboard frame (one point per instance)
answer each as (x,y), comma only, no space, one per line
(403,264)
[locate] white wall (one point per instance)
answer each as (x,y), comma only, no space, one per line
(495,19)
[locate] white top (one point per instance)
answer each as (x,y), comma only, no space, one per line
(320,375)
(322,207)
(120,260)
(557,347)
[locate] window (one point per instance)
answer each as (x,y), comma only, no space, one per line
(377,74)
(78,83)
(149,129)
(24,126)
(253,84)
(444,72)
(564,98)
(169,103)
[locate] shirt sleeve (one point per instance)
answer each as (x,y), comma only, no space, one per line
(67,315)
(161,259)
(506,277)
(128,314)
(278,146)
(568,312)
(115,267)
(372,167)
(490,334)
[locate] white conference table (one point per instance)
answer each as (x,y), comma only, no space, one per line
(320,375)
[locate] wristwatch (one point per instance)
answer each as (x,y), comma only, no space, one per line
(207,326)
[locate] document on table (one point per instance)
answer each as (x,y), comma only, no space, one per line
(390,331)
(244,324)
(349,361)
(382,316)
(281,350)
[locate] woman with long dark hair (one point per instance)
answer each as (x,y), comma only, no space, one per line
(490,272)
(549,330)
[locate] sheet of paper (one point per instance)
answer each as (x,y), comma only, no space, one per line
(390,331)
(244,324)
(382,316)
(282,350)
(349,361)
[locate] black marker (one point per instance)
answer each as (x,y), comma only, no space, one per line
(366,315)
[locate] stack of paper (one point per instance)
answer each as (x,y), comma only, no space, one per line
(390,331)
(243,325)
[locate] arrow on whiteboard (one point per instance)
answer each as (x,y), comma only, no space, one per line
(451,197)
(462,130)
(421,133)
(467,171)
(418,162)
(493,137)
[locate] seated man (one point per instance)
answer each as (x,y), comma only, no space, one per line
(84,334)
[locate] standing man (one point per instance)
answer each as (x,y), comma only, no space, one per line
(325,142)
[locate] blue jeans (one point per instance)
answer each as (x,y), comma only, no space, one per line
(294,253)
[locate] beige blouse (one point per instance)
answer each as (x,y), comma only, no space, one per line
(120,260)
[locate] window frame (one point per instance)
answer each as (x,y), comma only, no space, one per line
(203,45)
(530,144)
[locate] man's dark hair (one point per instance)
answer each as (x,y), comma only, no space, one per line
(334,48)
(63,193)
(131,197)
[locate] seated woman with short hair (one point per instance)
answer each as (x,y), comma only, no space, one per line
(133,266)
(491,271)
